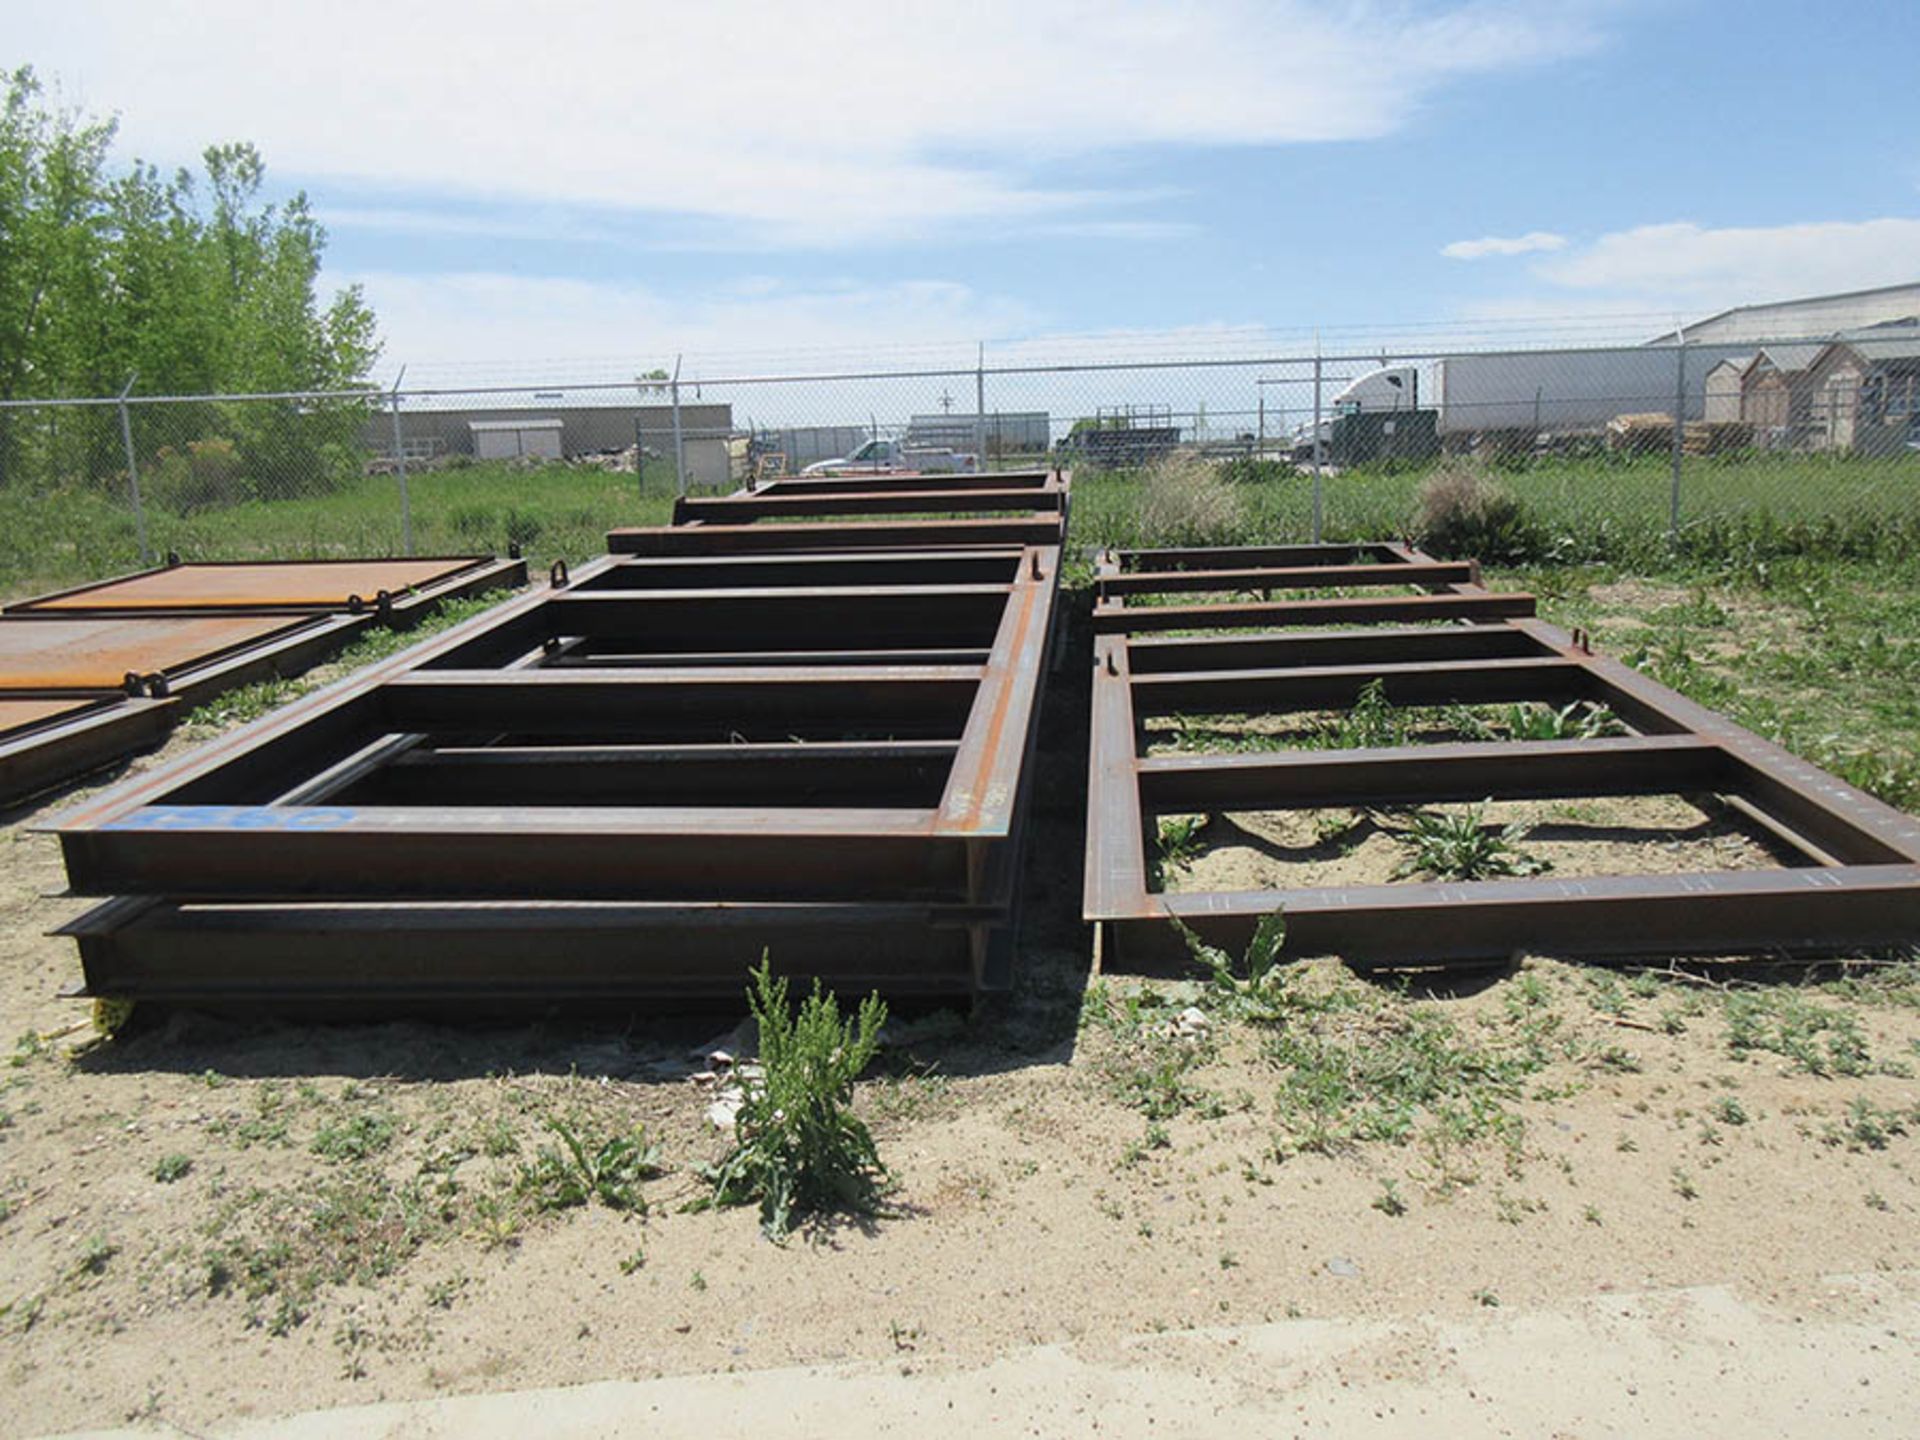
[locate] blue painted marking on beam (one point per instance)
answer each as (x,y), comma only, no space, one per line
(233,817)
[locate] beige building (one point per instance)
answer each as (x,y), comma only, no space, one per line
(534,425)
(1724,385)
(1776,396)
(1864,393)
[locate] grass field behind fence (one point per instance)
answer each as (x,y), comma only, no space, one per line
(1790,603)
(1579,510)
(552,511)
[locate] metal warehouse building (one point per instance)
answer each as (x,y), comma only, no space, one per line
(1818,317)
(1006,432)
(536,427)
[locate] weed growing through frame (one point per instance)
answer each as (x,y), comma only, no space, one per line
(1460,845)
(1373,723)
(1581,720)
(1179,837)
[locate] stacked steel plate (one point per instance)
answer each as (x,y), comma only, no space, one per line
(88,676)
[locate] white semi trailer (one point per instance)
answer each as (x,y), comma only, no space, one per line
(1545,391)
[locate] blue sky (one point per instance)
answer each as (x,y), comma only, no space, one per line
(517,184)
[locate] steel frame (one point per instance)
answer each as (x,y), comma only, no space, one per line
(1855,880)
(718,740)
(462,575)
(141,711)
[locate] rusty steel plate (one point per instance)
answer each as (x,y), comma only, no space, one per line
(314,585)
(95,653)
(24,713)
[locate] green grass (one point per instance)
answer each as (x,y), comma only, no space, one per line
(1816,1038)
(1820,655)
(553,511)
(1605,509)
(1590,510)
(1359,1065)
(355,1137)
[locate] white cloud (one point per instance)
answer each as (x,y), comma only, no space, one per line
(401,220)
(1119,229)
(491,327)
(868,120)
(1690,265)
(1527,244)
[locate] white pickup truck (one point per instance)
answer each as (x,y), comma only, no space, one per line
(886,456)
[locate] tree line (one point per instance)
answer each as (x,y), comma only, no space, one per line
(195,282)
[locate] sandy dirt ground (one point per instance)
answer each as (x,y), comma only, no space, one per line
(209,1224)
(1666,1363)
(1611,835)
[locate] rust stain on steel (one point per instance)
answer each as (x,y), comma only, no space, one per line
(320,585)
(988,786)
(84,653)
(18,714)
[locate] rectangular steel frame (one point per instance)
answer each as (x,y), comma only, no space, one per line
(36,758)
(1856,883)
(468,575)
(625,785)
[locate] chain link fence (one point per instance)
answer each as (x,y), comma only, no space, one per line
(1594,452)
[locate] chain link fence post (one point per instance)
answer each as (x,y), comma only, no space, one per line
(679,438)
(1679,434)
(133,473)
(980,407)
(400,470)
(1316,441)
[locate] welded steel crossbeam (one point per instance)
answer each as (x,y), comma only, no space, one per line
(876,484)
(756,506)
(1036,492)
(765,538)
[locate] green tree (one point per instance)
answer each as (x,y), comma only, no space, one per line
(197,283)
